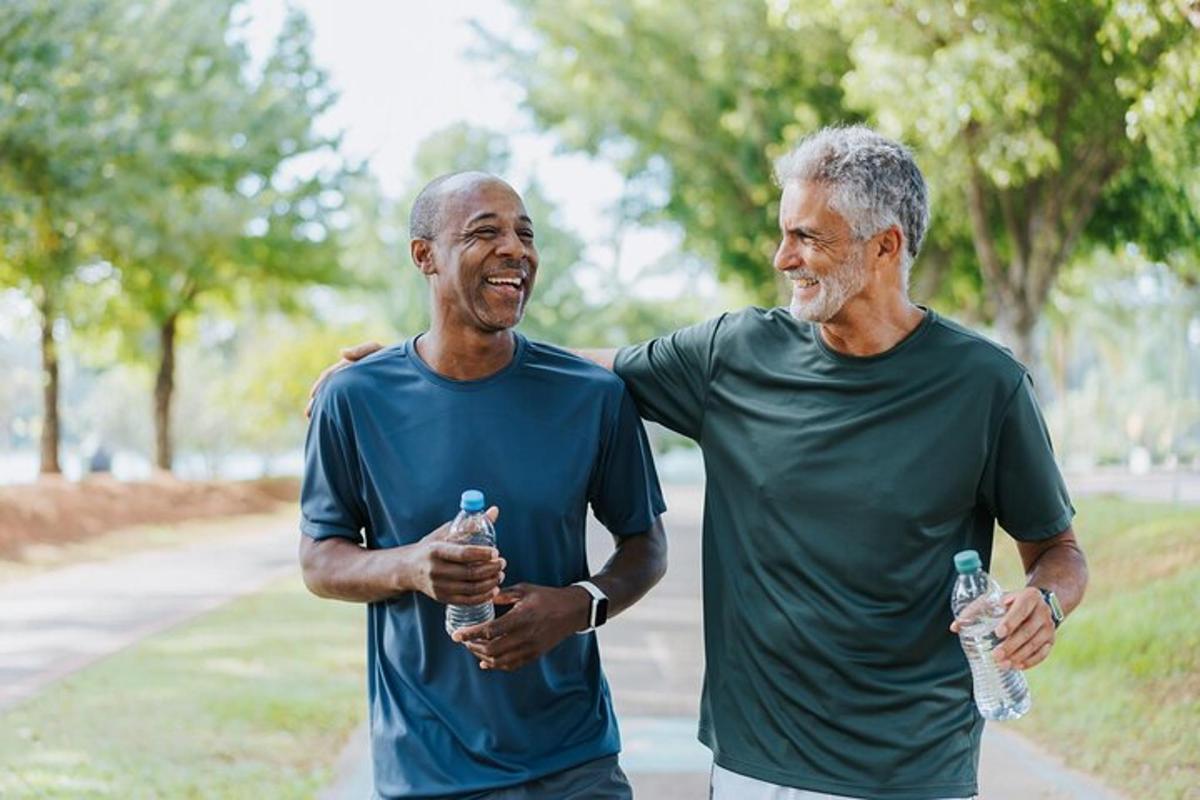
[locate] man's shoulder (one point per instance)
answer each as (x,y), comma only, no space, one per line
(733,326)
(974,351)
(755,326)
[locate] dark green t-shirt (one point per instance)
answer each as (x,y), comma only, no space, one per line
(838,490)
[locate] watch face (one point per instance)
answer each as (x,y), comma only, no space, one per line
(1056,612)
(601,612)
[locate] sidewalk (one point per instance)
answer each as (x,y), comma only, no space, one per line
(57,622)
(653,656)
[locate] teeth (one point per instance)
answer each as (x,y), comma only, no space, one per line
(806,282)
(505,281)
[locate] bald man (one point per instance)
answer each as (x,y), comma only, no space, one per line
(516,708)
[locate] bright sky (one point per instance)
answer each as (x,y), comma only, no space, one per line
(403,72)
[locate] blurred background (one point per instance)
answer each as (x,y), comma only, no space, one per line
(202,201)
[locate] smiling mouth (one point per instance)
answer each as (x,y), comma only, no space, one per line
(516,283)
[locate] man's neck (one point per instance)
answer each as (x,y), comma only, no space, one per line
(865,328)
(466,354)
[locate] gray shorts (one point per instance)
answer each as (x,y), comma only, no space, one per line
(602,779)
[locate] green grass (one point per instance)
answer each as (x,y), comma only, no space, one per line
(253,701)
(1119,696)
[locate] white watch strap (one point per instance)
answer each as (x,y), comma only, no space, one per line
(597,596)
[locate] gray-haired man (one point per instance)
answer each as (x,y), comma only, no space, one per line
(853,443)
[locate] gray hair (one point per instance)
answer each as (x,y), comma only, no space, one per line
(874,182)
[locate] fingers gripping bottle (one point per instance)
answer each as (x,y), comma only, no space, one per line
(471,526)
(1000,694)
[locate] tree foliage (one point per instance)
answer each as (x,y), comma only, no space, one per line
(65,71)
(689,100)
(1037,123)
(213,210)
(1042,122)
(137,137)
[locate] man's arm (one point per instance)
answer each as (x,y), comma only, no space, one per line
(1056,564)
(635,567)
(602,356)
(542,616)
(340,569)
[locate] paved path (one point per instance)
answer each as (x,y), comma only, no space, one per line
(653,655)
(57,622)
(1178,486)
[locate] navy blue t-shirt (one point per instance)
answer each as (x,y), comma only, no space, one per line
(391,446)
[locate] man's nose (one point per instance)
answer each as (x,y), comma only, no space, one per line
(785,259)
(511,245)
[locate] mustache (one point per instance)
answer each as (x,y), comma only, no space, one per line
(800,275)
(517,265)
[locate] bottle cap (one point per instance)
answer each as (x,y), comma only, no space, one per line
(472,500)
(967,561)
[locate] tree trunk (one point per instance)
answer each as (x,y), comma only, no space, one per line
(1015,325)
(164,388)
(50,427)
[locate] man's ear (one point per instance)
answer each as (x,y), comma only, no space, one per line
(891,243)
(421,251)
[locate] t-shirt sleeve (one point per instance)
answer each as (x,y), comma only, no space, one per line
(1022,485)
(624,492)
(330,504)
(669,376)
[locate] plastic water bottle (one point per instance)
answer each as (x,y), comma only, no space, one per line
(471,526)
(999,693)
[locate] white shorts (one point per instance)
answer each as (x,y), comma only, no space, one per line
(726,785)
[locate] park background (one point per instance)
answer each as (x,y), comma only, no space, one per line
(201,202)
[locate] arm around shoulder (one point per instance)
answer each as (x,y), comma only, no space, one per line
(604,357)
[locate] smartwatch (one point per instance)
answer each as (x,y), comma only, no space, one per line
(1056,612)
(598,614)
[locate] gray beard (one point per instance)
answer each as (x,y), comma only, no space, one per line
(835,289)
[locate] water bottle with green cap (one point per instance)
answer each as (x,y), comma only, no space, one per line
(1000,694)
(471,526)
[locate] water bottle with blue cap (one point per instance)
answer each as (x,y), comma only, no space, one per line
(471,526)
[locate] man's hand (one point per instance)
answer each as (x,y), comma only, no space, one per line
(540,618)
(1027,630)
(349,356)
(452,573)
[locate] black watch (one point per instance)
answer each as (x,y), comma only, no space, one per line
(598,613)
(1056,612)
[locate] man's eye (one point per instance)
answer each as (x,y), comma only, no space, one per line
(526,234)
(486,233)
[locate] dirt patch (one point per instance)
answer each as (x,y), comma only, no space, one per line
(55,511)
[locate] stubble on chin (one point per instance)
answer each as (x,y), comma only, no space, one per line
(835,292)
